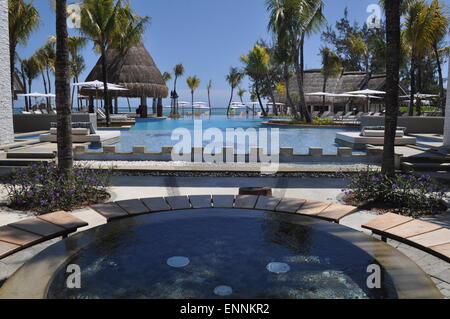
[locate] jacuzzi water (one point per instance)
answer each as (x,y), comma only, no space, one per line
(156,133)
(220,254)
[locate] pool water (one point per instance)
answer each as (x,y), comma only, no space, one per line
(220,254)
(156,133)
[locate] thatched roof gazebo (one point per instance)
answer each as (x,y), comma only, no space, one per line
(134,70)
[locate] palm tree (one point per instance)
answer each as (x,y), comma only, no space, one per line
(99,23)
(331,66)
(178,71)
(392,8)
(291,21)
(77,66)
(62,86)
(241,93)
(167,76)
(208,89)
(23,20)
(193,83)
(257,68)
(233,78)
(440,26)
(418,39)
(21,72)
(109,24)
(31,70)
(359,47)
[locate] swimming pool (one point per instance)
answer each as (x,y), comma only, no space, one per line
(156,133)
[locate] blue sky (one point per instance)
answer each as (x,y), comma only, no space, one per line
(207,36)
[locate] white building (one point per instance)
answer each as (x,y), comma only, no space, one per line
(6,114)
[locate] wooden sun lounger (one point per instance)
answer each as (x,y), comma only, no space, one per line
(426,236)
(31,231)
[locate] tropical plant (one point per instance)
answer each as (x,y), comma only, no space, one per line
(178,72)
(167,76)
(62,87)
(31,71)
(241,92)
(21,73)
(331,66)
(234,78)
(440,26)
(193,83)
(402,193)
(256,66)
(110,24)
(392,9)
(416,36)
(46,188)
(291,21)
(208,89)
(77,66)
(360,47)
(23,20)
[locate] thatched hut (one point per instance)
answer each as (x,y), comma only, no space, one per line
(134,70)
(344,82)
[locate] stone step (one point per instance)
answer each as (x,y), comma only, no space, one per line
(25,155)
(424,167)
(21,161)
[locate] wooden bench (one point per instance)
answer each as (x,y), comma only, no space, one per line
(426,236)
(31,231)
(332,212)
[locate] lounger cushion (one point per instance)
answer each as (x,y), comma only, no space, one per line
(379,133)
(75,131)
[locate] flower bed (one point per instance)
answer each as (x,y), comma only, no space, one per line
(404,194)
(45,188)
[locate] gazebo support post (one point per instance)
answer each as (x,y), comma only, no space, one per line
(143,107)
(159,108)
(116,105)
(91,104)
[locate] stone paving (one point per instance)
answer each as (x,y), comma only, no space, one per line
(313,189)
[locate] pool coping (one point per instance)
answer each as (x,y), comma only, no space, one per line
(42,268)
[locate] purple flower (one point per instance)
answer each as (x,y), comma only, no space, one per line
(394,186)
(33,166)
(43,202)
(30,193)
(71,191)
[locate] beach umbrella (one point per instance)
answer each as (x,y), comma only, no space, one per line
(368,93)
(318,94)
(419,96)
(34,95)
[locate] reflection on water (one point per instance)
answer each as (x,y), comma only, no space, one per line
(229,256)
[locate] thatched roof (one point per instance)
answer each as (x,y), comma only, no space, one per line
(134,70)
(344,82)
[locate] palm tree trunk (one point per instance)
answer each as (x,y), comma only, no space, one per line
(288,91)
(30,81)
(392,81)
(105,87)
(231,99)
(27,106)
(302,55)
(12,57)
(419,87)
(264,113)
(413,84)
(299,73)
(441,78)
(62,85)
(45,90)
(192,95)
(325,79)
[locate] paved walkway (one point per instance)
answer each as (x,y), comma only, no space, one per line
(321,189)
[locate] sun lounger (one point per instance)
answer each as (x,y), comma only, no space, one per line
(83,134)
(325,115)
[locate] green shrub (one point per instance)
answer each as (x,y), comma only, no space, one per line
(321,121)
(405,194)
(44,188)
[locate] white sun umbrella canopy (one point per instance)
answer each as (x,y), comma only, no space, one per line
(318,94)
(367,92)
(91,84)
(419,96)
